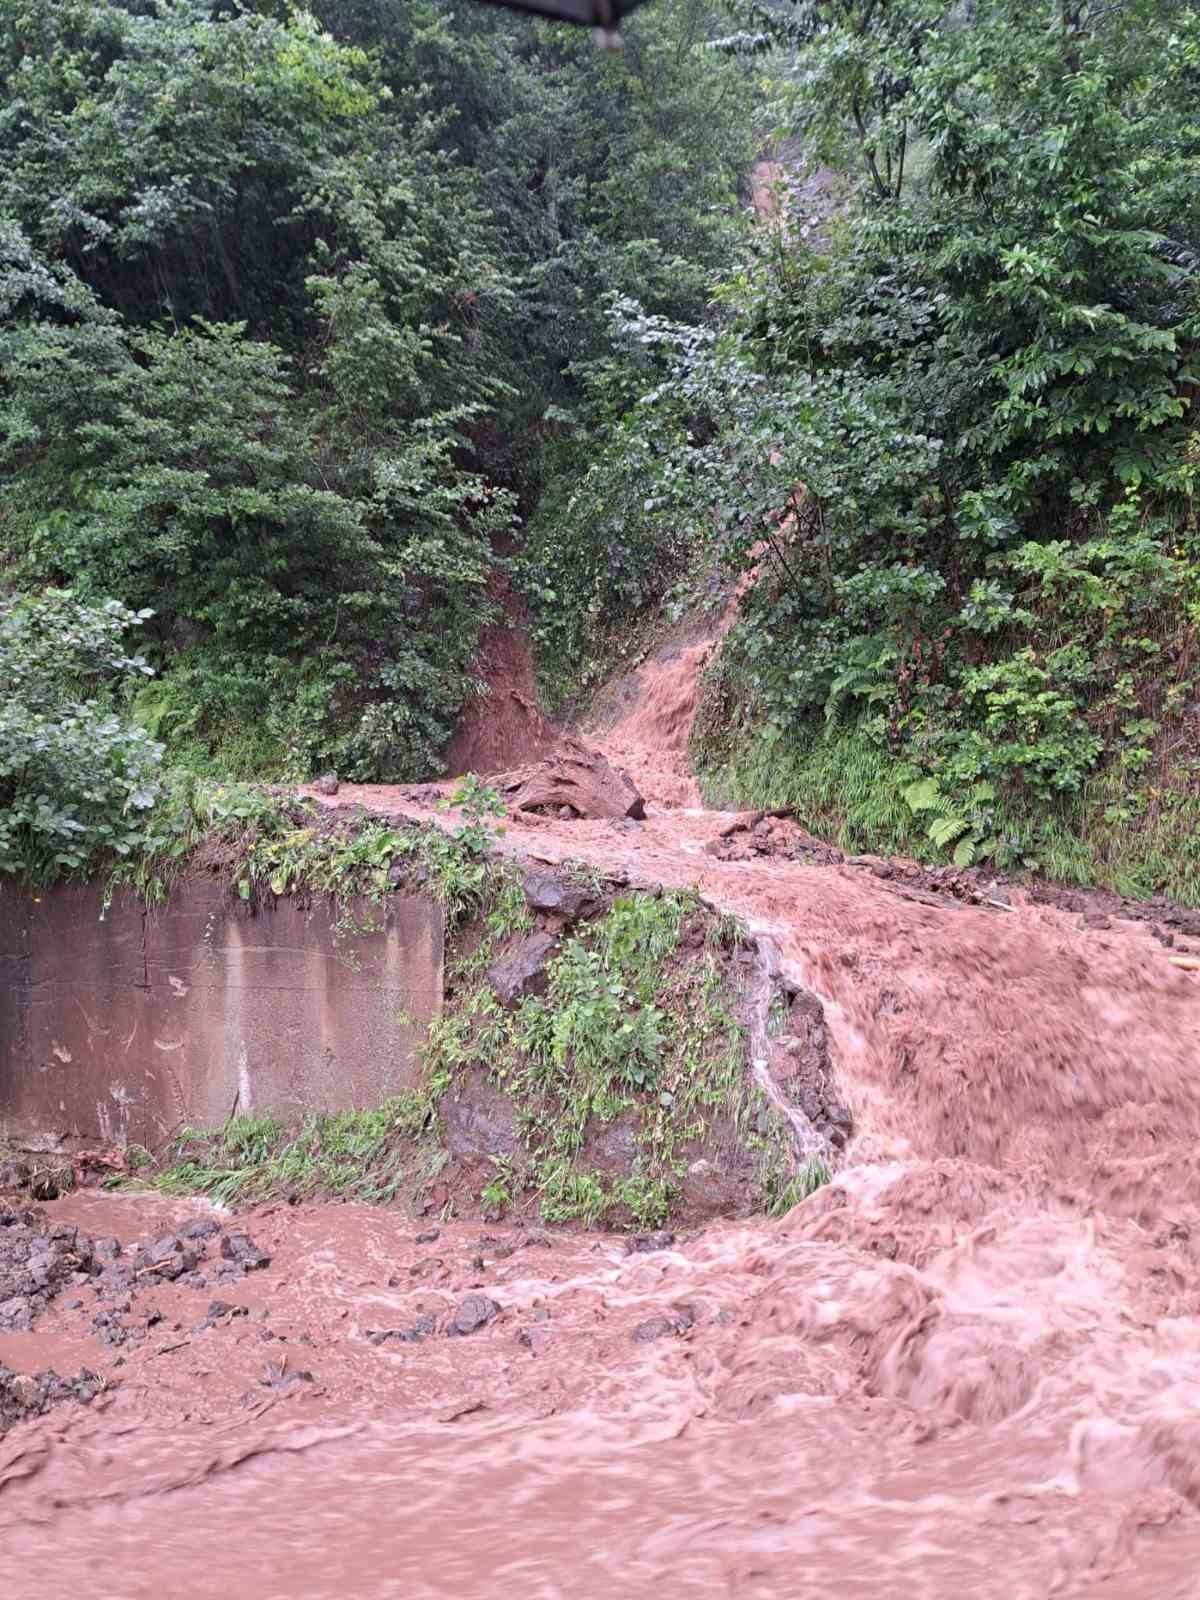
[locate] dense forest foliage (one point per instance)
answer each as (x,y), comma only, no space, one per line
(316,319)
(949,417)
(293,300)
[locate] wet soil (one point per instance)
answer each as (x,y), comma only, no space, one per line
(969,1365)
(503,725)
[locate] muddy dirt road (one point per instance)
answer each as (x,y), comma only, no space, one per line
(971,1365)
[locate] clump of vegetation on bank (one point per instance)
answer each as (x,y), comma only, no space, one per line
(624,1072)
(361,1155)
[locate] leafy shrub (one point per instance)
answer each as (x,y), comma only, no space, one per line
(77,777)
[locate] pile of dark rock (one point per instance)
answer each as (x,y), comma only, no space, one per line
(38,1258)
(754,834)
(175,1257)
(41,1258)
(22,1396)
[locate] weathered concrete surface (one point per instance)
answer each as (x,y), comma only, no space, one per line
(131,1025)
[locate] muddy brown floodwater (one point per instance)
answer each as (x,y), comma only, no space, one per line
(969,1366)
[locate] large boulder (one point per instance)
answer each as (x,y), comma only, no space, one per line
(575,778)
(553,894)
(479,1120)
(523,971)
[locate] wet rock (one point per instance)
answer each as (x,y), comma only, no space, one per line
(644,1243)
(16,1313)
(23,1391)
(800,1064)
(327,783)
(554,893)
(429,1267)
(478,1121)
(180,1265)
(14,1175)
(573,776)
(202,1228)
(535,1340)
(241,1249)
(109,1327)
(219,1310)
(615,1145)
(38,1258)
(475,1312)
(22,1396)
(806,1017)
(752,835)
(166,1258)
(430,1236)
(421,1329)
(524,971)
(714,1184)
(282,1381)
(670,1325)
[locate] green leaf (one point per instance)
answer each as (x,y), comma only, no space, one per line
(946,829)
(924,795)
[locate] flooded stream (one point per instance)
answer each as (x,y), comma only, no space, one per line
(970,1365)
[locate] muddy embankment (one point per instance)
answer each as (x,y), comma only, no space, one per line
(969,1364)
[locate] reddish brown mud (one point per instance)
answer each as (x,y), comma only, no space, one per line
(503,725)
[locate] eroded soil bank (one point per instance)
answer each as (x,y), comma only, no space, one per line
(970,1364)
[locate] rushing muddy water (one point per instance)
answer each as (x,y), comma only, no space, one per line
(971,1365)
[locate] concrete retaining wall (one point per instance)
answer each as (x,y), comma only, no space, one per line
(129,1026)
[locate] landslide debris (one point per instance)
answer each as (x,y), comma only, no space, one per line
(572,781)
